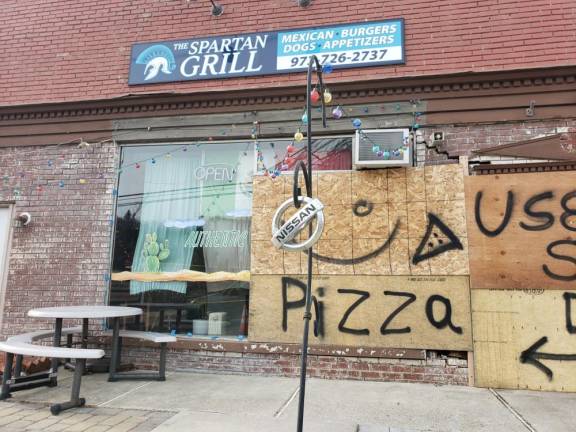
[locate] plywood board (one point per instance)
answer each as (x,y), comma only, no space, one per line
(533,244)
(507,323)
(276,311)
(390,207)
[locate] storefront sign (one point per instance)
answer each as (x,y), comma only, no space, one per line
(426,312)
(215,172)
(521,230)
(344,46)
(217,239)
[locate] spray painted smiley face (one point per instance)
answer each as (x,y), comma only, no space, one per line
(361,208)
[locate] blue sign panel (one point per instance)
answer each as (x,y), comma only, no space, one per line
(343,46)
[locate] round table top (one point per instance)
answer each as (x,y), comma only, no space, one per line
(84,312)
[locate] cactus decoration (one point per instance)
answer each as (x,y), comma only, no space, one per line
(154,252)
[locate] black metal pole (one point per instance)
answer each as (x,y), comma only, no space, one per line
(307,313)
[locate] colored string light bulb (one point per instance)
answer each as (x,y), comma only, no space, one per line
(337,113)
(357,123)
(327,96)
(314,95)
(327,68)
(291,148)
(298,136)
(305,118)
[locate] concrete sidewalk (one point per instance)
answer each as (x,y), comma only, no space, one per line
(232,403)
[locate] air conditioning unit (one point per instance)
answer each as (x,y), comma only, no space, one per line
(382,148)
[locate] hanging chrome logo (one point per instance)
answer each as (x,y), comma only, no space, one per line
(282,236)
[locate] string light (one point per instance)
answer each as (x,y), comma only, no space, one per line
(314,95)
(327,96)
(327,68)
(338,112)
(298,136)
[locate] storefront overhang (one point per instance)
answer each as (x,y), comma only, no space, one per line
(485,169)
(557,147)
(463,98)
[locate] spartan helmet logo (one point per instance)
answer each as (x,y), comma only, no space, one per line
(157,58)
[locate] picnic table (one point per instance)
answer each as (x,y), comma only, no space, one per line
(85,313)
(23,344)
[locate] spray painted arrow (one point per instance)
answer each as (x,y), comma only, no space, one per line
(531,356)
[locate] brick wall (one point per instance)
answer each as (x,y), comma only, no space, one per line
(435,369)
(462,140)
(58,50)
(63,255)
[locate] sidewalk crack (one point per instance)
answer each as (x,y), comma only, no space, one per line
(512,410)
(281,410)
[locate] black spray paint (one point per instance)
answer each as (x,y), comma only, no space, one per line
(364,295)
(384,330)
(453,244)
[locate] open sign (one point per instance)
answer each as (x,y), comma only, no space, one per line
(216,172)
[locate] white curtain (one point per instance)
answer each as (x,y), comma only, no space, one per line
(234,258)
(170,209)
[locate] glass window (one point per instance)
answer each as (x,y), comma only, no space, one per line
(182,239)
(333,153)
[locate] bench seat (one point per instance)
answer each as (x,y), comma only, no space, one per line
(29,349)
(160,338)
(43,334)
(23,344)
(149,336)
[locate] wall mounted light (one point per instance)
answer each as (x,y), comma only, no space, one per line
(23,219)
(304,3)
(217,9)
